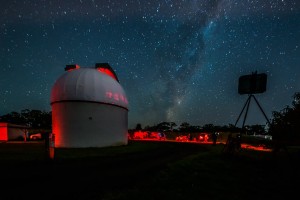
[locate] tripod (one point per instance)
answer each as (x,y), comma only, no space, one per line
(246,105)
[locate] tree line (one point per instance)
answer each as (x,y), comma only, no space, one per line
(285,124)
(188,128)
(35,119)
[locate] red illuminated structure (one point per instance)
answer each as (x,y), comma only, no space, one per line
(140,135)
(147,135)
(10,131)
(89,108)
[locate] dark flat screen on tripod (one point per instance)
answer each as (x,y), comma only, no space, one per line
(252,84)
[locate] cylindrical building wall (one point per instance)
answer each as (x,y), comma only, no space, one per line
(89,124)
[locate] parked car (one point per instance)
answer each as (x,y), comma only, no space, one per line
(36,136)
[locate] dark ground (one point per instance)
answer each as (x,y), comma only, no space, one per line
(145,170)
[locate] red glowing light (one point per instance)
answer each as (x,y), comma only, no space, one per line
(109,94)
(106,69)
(3,132)
(257,148)
(116,96)
(107,72)
(147,135)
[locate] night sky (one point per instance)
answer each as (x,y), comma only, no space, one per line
(177,60)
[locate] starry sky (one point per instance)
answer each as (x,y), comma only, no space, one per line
(177,60)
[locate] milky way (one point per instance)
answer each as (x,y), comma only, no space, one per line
(177,60)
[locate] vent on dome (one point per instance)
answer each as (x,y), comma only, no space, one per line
(106,69)
(71,67)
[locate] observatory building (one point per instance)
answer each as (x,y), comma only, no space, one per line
(89,108)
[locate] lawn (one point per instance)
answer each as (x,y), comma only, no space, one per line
(147,170)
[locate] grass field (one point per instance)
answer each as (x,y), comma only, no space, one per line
(147,170)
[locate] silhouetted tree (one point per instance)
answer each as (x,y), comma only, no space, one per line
(172,125)
(184,126)
(209,127)
(255,129)
(150,128)
(138,127)
(233,128)
(285,124)
(34,118)
(163,126)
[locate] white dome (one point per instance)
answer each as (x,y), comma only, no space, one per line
(89,85)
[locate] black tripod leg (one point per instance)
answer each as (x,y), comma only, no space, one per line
(246,103)
(261,109)
(246,111)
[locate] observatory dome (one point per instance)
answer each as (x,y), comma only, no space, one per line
(89,108)
(88,84)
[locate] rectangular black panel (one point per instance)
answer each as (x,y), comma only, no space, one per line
(252,84)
